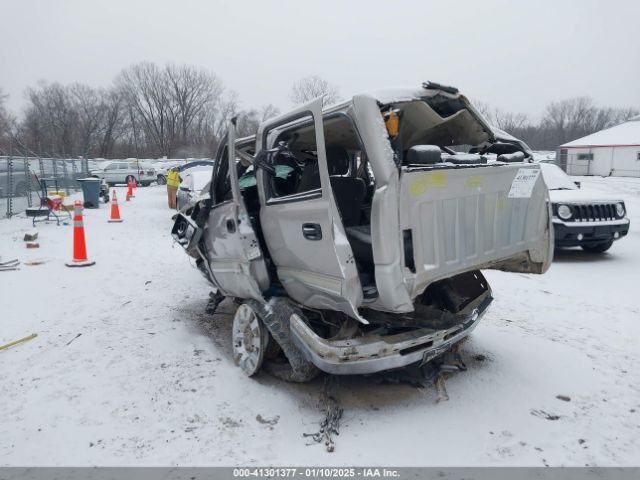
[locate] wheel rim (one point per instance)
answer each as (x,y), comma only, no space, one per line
(250,340)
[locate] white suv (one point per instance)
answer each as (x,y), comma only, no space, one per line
(122,171)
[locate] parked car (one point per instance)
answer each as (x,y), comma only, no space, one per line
(26,178)
(123,171)
(581,219)
(193,182)
(353,237)
(20,179)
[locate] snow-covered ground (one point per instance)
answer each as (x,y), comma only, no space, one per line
(151,380)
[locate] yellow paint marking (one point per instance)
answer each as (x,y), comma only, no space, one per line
(474,181)
(16,342)
(425,181)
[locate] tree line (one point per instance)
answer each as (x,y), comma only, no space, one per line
(182,111)
(148,112)
(561,122)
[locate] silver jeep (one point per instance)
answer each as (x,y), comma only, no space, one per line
(353,237)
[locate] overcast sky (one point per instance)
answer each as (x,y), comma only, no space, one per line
(511,54)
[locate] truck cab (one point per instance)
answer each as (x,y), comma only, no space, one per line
(355,235)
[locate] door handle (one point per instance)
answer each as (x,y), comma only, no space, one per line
(312,231)
(231,225)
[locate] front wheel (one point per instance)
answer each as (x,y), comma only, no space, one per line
(598,247)
(250,339)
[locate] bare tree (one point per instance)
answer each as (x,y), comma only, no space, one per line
(563,121)
(114,122)
(90,112)
(182,110)
(192,91)
(509,122)
(485,109)
(7,123)
(313,86)
(268,111)
(249,120)
(177,109)
(52,118)
(147,94)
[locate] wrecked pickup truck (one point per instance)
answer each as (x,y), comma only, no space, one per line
(352,237)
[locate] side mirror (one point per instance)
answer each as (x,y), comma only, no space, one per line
(184,189)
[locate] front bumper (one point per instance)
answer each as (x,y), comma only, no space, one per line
(591,233)
(376,353)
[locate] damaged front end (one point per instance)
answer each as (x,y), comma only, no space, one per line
(444,315)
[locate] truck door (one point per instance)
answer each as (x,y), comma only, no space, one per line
(300,221)
(233,251)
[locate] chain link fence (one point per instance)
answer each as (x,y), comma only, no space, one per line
(24,181)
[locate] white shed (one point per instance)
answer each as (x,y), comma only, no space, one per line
(613,151)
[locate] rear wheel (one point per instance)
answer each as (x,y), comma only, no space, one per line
(598,247)
(131,179)
(250,339)
(162,180)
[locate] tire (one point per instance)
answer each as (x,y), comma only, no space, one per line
(276,317)
(250,339)
(130,178)
(598,247)
(162,180)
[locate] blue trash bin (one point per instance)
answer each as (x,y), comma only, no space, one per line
(90,192)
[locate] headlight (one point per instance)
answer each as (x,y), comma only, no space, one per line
(564,212)
(620,209)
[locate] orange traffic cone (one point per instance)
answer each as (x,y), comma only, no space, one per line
(115,211)
(79,248)
(129,191)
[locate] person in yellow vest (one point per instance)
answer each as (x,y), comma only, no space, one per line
(173,182)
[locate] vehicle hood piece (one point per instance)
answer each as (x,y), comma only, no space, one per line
(578,196)
(402,95)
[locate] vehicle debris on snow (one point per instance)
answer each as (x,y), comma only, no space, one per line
(20,340)
(353,237)
(9,265)
(31,236)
